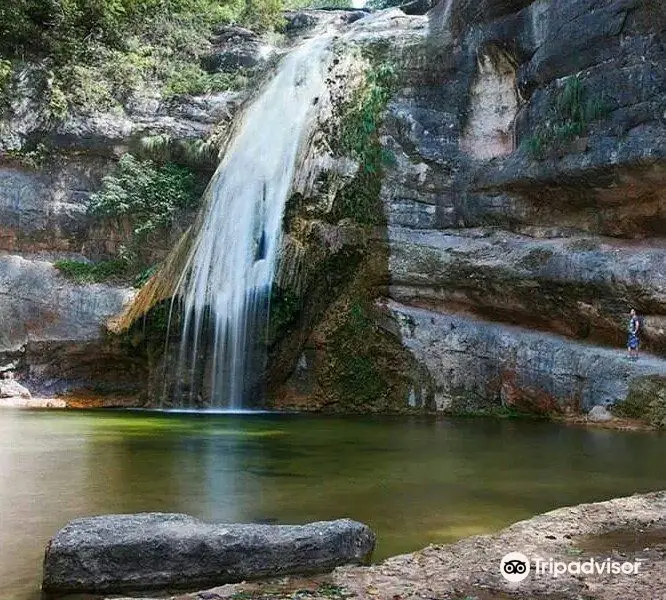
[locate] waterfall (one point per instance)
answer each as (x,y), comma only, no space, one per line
(226,284)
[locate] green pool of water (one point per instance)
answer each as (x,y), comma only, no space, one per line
(415,481)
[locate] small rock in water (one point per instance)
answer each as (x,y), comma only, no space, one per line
(10,388)
(599,414)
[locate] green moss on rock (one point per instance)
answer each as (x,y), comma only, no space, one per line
(646,401)
(356,361)
(359,200)
(285,309)
(352,367)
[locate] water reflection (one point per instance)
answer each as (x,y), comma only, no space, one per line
(415,481)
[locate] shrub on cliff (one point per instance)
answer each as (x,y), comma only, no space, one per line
(146,196)
(83,272)
(318,4)
(381,4)
(571,114)
(5,81)
(361,117)
(149,195)
(62,28)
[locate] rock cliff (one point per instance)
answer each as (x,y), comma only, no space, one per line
(528,191)
(524,201)
(53,333)
(478,251)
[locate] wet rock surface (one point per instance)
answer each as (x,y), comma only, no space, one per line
(156,550)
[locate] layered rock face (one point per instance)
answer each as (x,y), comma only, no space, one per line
(337,349)
(523,207)
(52,330)
(528,191)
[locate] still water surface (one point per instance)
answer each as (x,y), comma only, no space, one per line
(415,481)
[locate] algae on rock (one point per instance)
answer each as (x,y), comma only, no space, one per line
(646,401)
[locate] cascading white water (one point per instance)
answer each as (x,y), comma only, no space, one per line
(225,287)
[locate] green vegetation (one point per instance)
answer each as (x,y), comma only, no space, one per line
(146,337)
(359,200)
(295,4)
(536,258)
(142,278)
(88,272)
(198,154)
(31,159)
(646,401)
(357,376)
(467,407)
(6,73)
(359,138)
(570,117)
(145,195)
(364,366)
(95,54)
(361,118)
(191,79)
(381,4)
(285,307)
(148,194)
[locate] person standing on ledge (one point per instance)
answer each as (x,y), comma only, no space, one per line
(632,339)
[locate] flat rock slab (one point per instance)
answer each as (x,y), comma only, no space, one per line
(155,551)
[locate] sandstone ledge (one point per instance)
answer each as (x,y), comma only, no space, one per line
(20,402)
(624,529)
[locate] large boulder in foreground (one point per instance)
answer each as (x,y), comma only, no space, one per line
(160,550)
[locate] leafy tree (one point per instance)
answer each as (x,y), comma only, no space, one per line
(263,14)
(99,52)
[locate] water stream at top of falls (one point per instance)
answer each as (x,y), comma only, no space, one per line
(226,284)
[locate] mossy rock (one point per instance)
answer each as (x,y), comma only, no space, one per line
(645,401)
(536,258)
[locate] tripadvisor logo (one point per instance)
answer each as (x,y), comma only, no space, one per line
(515,567)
